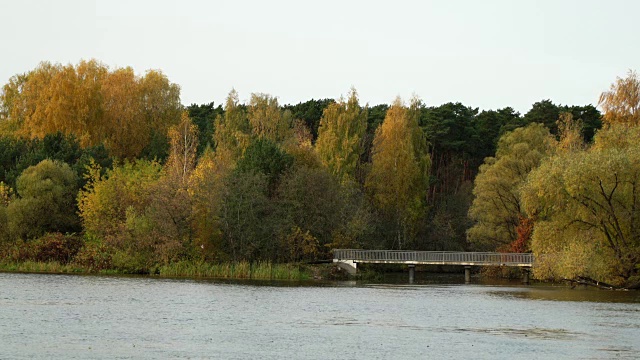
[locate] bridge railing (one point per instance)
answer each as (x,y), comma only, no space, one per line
(444,257)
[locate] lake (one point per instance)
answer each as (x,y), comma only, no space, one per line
(99,317)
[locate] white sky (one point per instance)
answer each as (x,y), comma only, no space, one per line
(487,54)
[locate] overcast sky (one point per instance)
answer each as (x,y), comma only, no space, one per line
(486,54)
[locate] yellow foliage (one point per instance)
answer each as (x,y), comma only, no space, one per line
(233,131)
(340,134)
(398,180)
(266,118)
(115,108)
(182,154)
(301,244)
(621,104)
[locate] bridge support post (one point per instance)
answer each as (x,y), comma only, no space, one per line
(467,274)
(525,275)
(350,266)
(412,273)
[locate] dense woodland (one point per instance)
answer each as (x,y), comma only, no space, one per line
(106,169)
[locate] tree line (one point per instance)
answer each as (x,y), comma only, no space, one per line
(113,157)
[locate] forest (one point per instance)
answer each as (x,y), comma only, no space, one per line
(105,169)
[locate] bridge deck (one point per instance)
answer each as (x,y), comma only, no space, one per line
(433,257)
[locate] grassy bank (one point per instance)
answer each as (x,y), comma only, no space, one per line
(240,270)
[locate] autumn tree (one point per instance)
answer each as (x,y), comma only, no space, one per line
(233,130)
(570,132)
(621,104)
(497,210)
(116,108)
(340,137)
(170,209)
(398,179)
(108,200)
(207,188)
(183,138)
(266,118)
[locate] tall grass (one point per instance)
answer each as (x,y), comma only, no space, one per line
(238,270)
(228,270)
(39,267)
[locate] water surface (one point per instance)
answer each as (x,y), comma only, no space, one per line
(94,317)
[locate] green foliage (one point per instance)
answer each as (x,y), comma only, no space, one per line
(449,128)
(449,222)
(547,113)
(106,200)
(46,201)
(247,218)
(496,208)
(6,196)
(158,147)
(264,157)
(310,113)
(17,154)
(204,117)
(490,125)
(314,208)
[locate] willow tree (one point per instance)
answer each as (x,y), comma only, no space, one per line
(496,209)
(621,104)
(398,180)
(585,204)
(340,135)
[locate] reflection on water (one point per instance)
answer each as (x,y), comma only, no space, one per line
(562,293)
(78,317)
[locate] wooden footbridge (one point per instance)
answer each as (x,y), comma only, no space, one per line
(349,259)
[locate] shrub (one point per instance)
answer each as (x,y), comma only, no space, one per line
(94,257)
(56,247)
